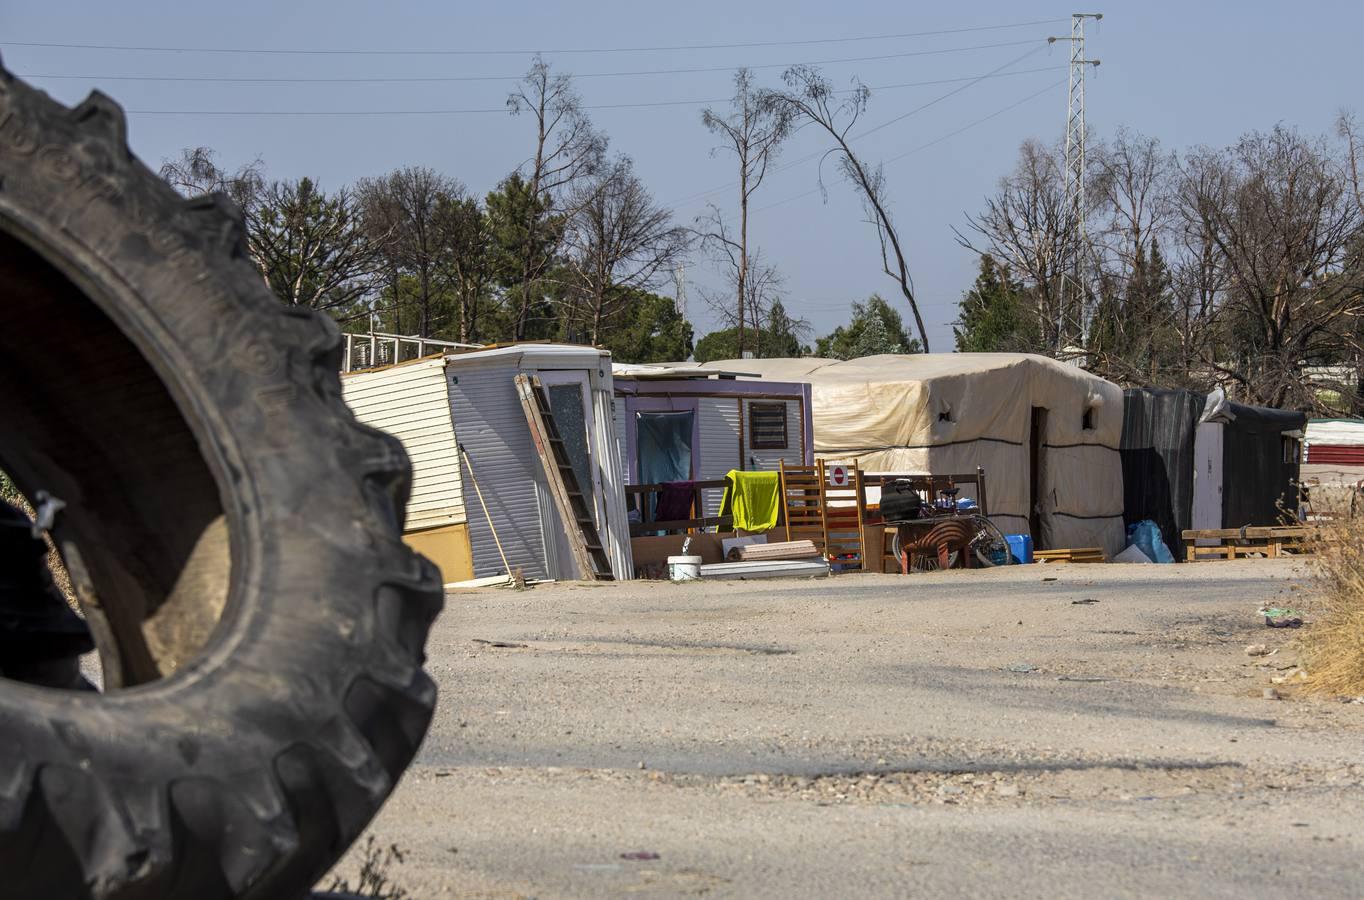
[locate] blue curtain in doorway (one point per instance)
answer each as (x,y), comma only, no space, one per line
(663,447)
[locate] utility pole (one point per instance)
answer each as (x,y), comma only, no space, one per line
(1073,293)
(680,288)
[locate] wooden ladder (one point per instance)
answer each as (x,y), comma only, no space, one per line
(573,505)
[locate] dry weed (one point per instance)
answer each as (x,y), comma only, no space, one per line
(1333,644)
(373,880)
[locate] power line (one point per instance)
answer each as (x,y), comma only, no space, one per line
(419,79)
(503,109)
(527,51)
(804,159)
(633,74)
(938,140)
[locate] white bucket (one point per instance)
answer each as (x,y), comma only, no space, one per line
(684,568)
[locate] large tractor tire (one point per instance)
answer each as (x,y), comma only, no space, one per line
(234,536)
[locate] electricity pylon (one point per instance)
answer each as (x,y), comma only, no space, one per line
(1074,297)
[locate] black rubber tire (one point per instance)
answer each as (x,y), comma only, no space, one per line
(250,770)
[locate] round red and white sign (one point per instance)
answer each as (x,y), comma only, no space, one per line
(838,476)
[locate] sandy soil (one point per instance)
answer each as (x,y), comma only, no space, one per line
(1034,731)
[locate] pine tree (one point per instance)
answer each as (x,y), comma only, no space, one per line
(875,328)
(993,317)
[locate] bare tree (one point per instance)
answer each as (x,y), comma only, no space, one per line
(810,97)
(1349,131)
(1131,329)
(568,150)
(753,131)
(1027,227)
(312,247)
(196,172)
(401,216)
(762,287)
(1130,185)
(1277,211)
(618,241)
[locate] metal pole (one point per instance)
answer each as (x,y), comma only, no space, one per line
(486,514)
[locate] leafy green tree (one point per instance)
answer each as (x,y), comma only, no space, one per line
(995,316)
(526,238)
(1133,338)
(780,337)
(468,264)
(875,328)
(648,329)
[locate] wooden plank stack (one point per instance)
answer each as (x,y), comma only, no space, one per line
(1072,555)
(774,550)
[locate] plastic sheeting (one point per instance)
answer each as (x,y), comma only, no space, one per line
(945,413)
(1260,461)
(1158,458)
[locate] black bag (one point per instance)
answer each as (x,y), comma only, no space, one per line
(900,502)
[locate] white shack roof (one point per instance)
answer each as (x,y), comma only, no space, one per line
(927,399)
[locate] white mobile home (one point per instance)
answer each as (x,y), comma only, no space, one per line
(437,405)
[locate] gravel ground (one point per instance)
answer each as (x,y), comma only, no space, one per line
(1060,731)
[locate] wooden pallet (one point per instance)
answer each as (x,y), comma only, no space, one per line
(802,504)
(1238,543)
(1072,555)
(580,522)
(844,509)
(808,506)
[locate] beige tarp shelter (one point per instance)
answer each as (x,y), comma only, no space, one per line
(1022,417)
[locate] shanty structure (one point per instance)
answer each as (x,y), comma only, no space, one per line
(1334,451)
(463,424)
(682,422)
(1046,433)
(1199,461)
(1251,456)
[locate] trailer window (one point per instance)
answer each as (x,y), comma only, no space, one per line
(767,426)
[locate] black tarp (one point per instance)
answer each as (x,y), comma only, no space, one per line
(1157,451)
(1260,463)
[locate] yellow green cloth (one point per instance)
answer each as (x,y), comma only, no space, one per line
(752,498)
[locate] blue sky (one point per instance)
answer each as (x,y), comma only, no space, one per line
(1186,73)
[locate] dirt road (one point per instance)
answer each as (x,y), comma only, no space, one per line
(1062,731)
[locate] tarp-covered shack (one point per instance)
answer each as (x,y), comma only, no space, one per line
(1045,432)
(1252,455)
(1194,460)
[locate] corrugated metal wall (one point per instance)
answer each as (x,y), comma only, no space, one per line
(622,435)
(410,402)
(493,429)
(718,430)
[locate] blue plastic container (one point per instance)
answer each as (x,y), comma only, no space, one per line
(1020,547)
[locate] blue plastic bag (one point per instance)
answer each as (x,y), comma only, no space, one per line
(1146,536)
